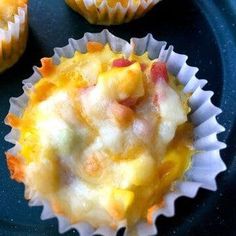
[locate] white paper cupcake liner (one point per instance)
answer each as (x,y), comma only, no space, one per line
(206,164)
(103,14)
(13,39)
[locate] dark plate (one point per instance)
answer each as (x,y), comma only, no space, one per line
(205,30)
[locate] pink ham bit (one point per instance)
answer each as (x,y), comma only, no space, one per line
(159,71)
(121,62)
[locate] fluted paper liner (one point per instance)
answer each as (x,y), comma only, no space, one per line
(103,14)
(206,164)
(13,39)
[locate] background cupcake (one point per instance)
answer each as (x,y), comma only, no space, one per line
(111,12)
(13,31)
(199,101)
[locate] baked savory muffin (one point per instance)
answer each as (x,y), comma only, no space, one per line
(111,12)
(103,137)
(13,28)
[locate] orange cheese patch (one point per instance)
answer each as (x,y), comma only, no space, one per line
(16,167)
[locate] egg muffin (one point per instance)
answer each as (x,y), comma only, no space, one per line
(103,137)
(111,12)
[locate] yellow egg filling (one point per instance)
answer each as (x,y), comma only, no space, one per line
(103,138)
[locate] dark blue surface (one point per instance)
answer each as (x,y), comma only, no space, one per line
(205,30)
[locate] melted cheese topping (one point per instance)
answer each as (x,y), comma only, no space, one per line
(8,9)
(103,143)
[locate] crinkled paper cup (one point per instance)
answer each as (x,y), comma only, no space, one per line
(104,13)
(206,163)
(13,39)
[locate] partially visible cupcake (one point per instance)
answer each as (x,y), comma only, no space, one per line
(13,31)
(104,138)
(111,12)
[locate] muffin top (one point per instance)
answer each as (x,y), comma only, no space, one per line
(8,9)
(103,137)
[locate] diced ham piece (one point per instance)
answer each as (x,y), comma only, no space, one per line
(121,62)
(159,71)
